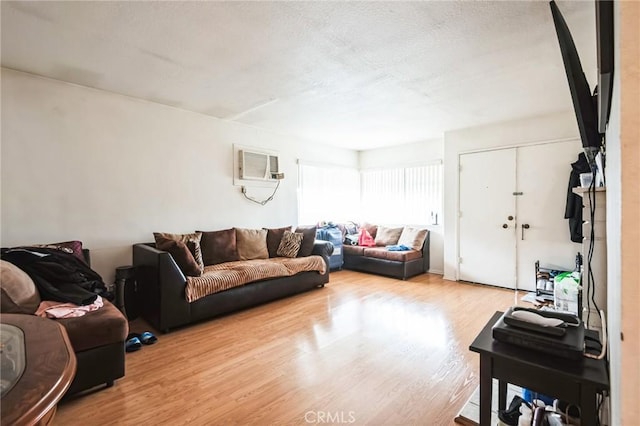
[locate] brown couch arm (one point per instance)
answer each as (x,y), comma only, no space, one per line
(426,253)
(161,287)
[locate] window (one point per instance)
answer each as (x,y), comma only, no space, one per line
(329,193)
(401,195)
(406,195)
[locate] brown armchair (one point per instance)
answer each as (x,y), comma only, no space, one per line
(98,337)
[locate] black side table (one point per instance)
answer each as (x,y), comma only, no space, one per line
(576,382)
(126,291)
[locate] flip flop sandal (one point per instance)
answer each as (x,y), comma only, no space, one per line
(148,338)
(133,344)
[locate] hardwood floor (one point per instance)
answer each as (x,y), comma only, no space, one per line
(363,350)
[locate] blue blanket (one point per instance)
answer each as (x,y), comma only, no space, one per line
(398,247)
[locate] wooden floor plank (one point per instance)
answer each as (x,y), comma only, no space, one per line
(363,350)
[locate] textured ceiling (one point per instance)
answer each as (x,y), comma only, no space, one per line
(354,74)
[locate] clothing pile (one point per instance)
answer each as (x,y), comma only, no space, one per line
(59,276)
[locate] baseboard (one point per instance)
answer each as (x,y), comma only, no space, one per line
(436,271)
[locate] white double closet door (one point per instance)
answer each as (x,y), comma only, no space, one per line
(512,204)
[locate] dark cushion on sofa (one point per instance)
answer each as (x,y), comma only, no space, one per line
(105,326)
(400,256)
(195,238)
(182,254)
(274,236)
(309,238)
(219,246)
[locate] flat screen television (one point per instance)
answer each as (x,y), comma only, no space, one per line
(587,107)
(604,31)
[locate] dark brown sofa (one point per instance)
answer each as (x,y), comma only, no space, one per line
(98,339)
(161,289)
(379,260)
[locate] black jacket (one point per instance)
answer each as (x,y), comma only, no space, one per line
(573,210)
(59,276)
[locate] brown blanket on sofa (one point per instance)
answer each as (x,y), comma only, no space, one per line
(224,276)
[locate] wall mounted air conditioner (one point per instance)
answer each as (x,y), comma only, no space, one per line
(256,165)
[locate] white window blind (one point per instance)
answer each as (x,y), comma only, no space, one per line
(327,193)
(401,195)
(407,195)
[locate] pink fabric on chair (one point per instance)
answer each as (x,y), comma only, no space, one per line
(51,309)
(365,239)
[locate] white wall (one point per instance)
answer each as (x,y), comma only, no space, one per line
(554,127)
(409,154)
(80,163)
(623,212)
(614,225)
(402,155)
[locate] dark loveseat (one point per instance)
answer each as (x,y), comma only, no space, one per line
(379,260)
(161,289)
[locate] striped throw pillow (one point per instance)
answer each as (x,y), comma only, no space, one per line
(290,244)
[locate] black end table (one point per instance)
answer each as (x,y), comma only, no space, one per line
(126,291)
(576,382)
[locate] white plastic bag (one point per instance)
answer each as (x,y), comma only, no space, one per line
(566,292)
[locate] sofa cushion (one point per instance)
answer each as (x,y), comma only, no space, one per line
(184,238)
(182,254)
(290,244)
(350,250)
(102,327)
(274,236)
(399,256)
(219,246)
(387,236)
(309,238)
(19,292)
(252,244)
(413,237)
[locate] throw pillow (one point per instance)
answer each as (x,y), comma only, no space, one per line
(387,236)
(184,238)
(219,246)
(309,238)
(413,237)
(19,294)
(182,254)
(290,244)
(252,244)
(274,236)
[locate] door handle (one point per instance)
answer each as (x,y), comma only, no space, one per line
(505,226)
(525,226)
(510,218)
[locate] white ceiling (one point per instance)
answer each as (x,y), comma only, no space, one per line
(355,74)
